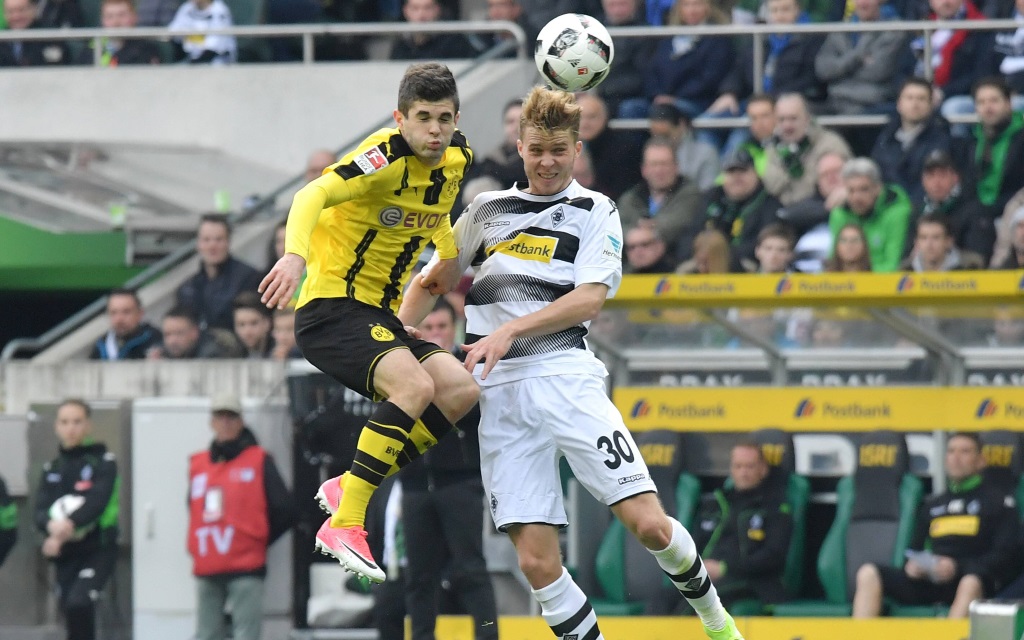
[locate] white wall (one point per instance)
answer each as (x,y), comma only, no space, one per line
(271,114)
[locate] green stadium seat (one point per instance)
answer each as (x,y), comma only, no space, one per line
(875,513)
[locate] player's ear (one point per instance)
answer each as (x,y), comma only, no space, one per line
(399,118)
(579,148)
(519,147)
(456,121)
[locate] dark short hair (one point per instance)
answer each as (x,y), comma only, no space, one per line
(443,305)
(778,230)
(213,217)
(125,291)
(183,311)
(934,218)
(76,402)
(761,97)
(514,102)
(970,435)
(427,81)
(995,82)
(251,300)
(917,81)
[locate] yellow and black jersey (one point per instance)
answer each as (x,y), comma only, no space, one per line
(363,224)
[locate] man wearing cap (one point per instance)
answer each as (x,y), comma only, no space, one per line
(904,143)
(945,198)
(741,206)
(665,200)
(238,506)
(697,159)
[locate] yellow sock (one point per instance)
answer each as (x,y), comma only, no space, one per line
(381,440)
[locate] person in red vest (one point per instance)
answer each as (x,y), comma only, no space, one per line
(238,506)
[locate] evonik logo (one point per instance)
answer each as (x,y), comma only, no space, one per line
(804,409)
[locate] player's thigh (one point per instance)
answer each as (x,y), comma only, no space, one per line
(518,459)
(347,340)
(93,574)
(455,390)
(589,431)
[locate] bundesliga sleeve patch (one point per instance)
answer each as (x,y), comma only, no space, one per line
(612,247)
(371,161)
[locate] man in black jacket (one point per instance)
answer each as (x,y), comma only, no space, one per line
(23,15)
(442,513)
(424,46)
(129,338)
(944,196)
(965,546)
(902,146)
(744,532)
(221,277)
(77,509)
(238,506)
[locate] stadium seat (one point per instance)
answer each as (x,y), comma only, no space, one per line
(875,512)
(1004,462)
(626,572)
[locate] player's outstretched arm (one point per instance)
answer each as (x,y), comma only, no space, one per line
(579,305)
(416,303)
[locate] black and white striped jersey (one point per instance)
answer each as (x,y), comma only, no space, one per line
(527,251)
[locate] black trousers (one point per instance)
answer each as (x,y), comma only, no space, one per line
(79,582)
(444,538)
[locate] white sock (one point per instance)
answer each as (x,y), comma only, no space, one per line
(566,609)
(686,570)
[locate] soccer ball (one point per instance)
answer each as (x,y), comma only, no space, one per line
(574,52)
(64,506)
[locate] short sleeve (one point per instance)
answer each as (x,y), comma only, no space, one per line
(600,256)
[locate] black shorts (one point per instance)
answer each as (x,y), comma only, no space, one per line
(346,339)
(896,584)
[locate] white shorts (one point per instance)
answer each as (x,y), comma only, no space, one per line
(527,425)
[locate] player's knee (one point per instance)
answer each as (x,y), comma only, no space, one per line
(867,576)
(653,530)
(467,394)
(416,391)
(540,569)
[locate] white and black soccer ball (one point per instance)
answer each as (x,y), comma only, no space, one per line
(64,506)
(574,52)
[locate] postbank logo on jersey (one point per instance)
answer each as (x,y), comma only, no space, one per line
(526,246)
(371,161)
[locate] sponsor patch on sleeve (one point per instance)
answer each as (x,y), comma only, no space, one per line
(371,161)
(612,247)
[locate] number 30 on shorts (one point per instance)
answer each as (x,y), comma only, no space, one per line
(617,448)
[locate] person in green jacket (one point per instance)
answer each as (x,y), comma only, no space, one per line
(881,210)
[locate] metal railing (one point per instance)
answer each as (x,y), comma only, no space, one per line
(305,31)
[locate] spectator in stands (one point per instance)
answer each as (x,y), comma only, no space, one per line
(969,220)
(156,13)
(758,134)
(423,46)
(765,325)
(935,250)
(193,19)
(882,210)
(744,530)
(275,248)
(22,15)
(711,254)
(183,339)
(696,159)
(317,161)
(442,512)
(1010,45)
(995,153)
(1007,328)
(774,250)
(741,206)
(539,12)
(129,337)
(664,199)
(905,142)
(504,163)
(625,80)
(1015,256)
(583,172)
(809,217)
(253,324)
(851,251)
(789,64)
(115,52)
(238,506)
(221,277)
(859,69)
(615,155)
(959,58)
(8,522)
(284,335)
(686,70)
(793,155)
(646,251)
(510,10)
(966,540)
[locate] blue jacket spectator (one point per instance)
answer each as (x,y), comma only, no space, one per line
(902,146)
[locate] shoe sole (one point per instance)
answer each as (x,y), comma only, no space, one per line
(348,564)
(321,499)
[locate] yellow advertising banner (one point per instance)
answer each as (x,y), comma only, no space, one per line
(832,289)
(821,408)
(653,628)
